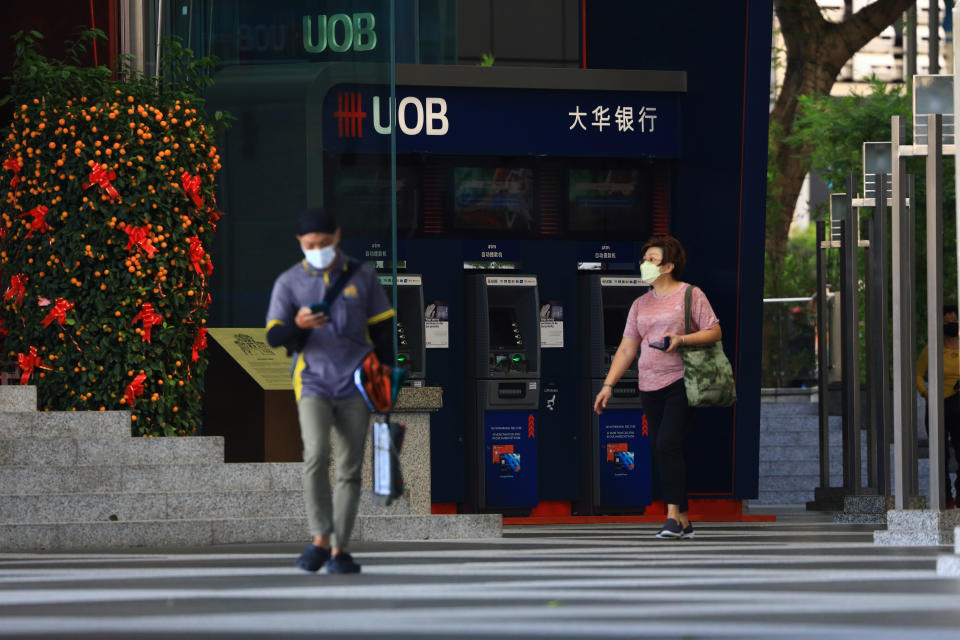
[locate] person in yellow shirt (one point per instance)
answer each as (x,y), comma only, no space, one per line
(951,394)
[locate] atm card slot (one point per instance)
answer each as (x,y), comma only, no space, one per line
(629,390)
(512,390)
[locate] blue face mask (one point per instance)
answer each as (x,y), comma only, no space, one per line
(320,258)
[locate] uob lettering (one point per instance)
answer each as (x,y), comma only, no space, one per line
(340,32)
(413,115)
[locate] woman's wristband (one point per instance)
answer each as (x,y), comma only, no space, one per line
(607,384)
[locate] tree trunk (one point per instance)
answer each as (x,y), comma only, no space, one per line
(816,52)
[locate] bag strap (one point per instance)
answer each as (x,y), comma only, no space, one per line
(334,290)
(687,296)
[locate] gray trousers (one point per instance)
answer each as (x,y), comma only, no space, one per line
(348,418)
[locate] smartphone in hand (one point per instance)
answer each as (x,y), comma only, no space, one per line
(663,345)
(320,307)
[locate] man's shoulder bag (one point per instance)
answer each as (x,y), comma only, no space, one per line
(707,374)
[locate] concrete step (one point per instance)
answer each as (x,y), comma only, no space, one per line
(809,452)
(174,505)
(69,536)
(64,452)
(783,497)
(794,483)
(45,425)
(812,437)
(912,538)
(18,398)
(772,468)
(171,505)
(797,423)
(788,409)
(34,480)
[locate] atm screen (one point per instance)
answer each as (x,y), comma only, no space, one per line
(359,191)
(606,199)
(498,198)
(503,321)
(614,322)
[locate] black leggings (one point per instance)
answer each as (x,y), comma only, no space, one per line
(669,418)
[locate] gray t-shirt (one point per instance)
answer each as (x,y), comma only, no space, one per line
(333,352)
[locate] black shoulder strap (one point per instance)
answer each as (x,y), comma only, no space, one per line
(334,290)
(687,295)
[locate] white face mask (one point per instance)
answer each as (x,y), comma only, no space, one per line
(320,258)
(648,272)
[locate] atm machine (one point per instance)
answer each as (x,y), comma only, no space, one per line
(503,378)
(615,472)
(411,341)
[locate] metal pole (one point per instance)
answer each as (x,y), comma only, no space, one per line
(933,29)
(851,343)
(869,412)
(935,308)
(823,410)
(912,445)
(881,324)
(911,63)
(159,33)
(903,357)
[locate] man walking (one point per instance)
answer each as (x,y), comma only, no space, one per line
(328,344)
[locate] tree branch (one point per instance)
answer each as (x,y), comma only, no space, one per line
(855,32)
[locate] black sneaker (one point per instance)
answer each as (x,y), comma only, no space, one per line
(688,532)
(671,530)
(312,558)
(342,563)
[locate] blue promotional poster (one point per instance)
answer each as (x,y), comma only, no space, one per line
(623,469)
(510,459)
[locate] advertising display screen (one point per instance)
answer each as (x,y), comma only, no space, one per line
(609,199)
(497,198)
(359,196)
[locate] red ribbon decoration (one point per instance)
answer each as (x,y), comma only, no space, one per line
(38,223)
(134,389)
(199,343)
(150,319)
(198,256)
(214,218)
(28,362)
(58,312)
(191,188)
(12,164)
(137,237)
(16,288)
(101,177)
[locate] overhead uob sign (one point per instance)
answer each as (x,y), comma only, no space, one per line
(339,32)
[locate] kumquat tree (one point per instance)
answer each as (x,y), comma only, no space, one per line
(107,213)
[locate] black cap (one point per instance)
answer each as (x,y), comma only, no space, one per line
(315,220)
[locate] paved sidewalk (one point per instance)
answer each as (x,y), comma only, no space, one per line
(798,578)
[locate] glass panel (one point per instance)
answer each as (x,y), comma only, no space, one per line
(300,77)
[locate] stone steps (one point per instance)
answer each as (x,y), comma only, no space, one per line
(805,408)
(30,480)
(45,425)
(65,452)
(78,480)
(70,536)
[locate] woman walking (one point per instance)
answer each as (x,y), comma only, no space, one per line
(655,328)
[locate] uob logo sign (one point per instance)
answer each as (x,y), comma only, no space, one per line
(413,116)
(340,33)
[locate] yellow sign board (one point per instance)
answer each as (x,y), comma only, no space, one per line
(268,366)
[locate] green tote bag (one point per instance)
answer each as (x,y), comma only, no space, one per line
(707,374)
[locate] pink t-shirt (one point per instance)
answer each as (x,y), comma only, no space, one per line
(651,317)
